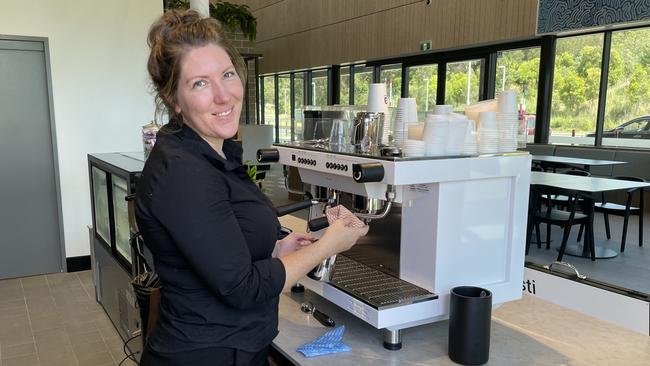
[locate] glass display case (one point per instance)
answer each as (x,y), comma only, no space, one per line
(113,177)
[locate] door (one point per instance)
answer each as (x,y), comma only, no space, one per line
(30,232)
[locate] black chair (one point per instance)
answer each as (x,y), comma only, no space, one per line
(560,200)
(608,208)
(553,216)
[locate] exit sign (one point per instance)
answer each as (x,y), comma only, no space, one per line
(425,45)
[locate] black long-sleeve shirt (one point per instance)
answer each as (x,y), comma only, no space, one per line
(211,232)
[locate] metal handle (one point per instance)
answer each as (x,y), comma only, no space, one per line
(293,207)
(569,265)
(323,318)
(269,155)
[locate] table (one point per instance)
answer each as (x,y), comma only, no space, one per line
(585,163)
(590,186)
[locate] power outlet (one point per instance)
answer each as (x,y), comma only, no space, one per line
(425,45)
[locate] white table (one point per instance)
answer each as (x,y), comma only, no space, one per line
(585,163)
(590,186)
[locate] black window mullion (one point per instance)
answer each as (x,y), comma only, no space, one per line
(277,109)
(545,89)
(351,83)
(292,103)
(246,98)
(261,100)
(308,89)
(489,74)
(334,85)
(442,79)
(376,74)
(602,93)
(257,86)
(405,81)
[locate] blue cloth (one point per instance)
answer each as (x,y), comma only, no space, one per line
(330,342)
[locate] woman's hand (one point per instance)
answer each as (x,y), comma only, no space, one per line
(342,235)
(291,243)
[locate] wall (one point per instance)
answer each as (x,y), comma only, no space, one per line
(294,34)
(570,15)
(98,55)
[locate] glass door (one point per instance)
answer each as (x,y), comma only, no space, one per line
(100,198)
(121,218)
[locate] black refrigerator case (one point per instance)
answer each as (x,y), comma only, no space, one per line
(113,176)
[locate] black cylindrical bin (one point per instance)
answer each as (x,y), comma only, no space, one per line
(470,313)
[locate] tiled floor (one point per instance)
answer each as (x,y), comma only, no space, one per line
(54,320)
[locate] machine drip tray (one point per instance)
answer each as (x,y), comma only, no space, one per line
(374,287)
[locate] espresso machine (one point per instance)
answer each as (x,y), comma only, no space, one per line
(435,223)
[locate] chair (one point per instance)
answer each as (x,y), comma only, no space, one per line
(561,200)
(559,217)
(608,208)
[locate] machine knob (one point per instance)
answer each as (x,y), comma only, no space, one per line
(318,224)
(269,155)
(367,172)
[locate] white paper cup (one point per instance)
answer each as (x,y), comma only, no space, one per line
(508,101)
(377,98)
(415,131)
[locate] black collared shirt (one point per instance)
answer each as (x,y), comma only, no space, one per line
(211,232)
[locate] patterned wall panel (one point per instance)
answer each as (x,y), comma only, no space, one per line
(555,16)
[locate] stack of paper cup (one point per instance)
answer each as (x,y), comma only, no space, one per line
(488,133)
(456,136)
(442,109)
(435,134)
(508,101)
(470,145)
(413,148)
(508,123)
(405,114)
(377,98)
(508,120)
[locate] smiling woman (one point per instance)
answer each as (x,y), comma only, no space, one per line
(209,96)
(214,236)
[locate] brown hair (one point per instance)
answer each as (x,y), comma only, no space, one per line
(170,38)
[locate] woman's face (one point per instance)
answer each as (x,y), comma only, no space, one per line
(209,93)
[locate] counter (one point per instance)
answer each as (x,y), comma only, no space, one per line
(530,331)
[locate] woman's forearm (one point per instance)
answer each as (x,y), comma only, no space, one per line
(298,263)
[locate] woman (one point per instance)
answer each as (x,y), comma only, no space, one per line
(212,233)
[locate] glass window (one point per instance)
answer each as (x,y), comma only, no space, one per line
(463,83)
(391,75)
(269,102)
(423,84)
(299,104)
(362,81)
(319,87)
(628,90)
(576,84)
(519,70)
(344,82)
(284,106)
